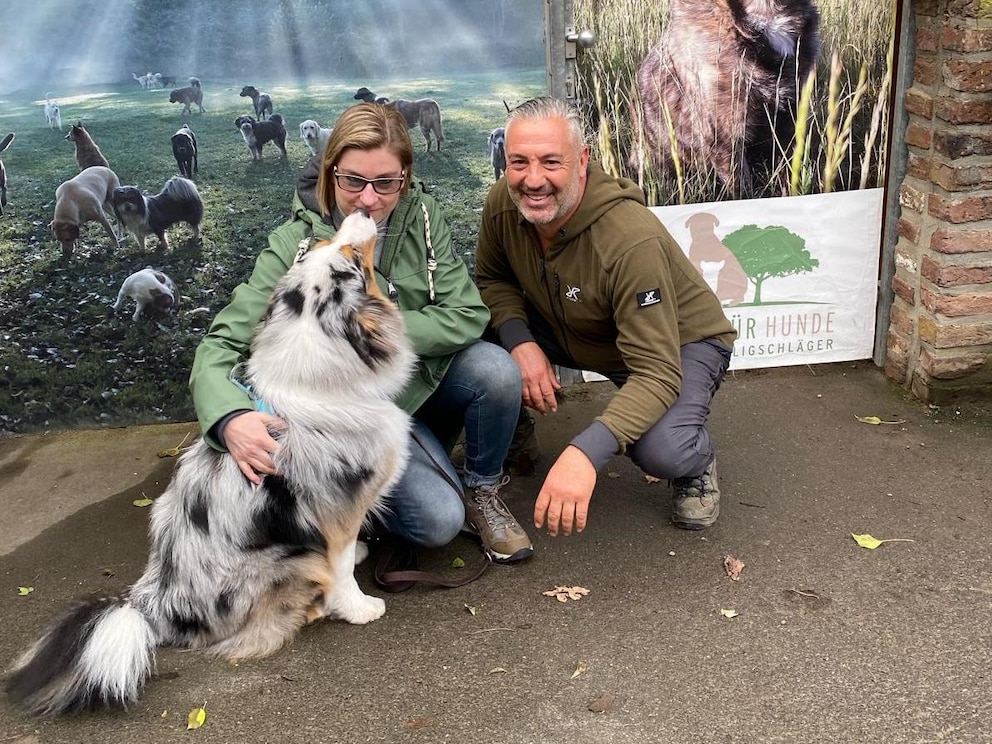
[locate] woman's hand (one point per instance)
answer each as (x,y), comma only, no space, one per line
(249,442)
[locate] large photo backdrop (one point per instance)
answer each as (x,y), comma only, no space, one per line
(758,131)
(113,66)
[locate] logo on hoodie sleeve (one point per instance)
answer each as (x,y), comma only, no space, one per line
(649,297)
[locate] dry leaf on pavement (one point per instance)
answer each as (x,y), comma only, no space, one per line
(565,593)
(174,451)
(733,567)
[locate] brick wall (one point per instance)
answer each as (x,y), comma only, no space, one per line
(940,333)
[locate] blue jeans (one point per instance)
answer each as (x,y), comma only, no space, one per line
(480,391)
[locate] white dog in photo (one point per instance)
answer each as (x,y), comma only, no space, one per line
(154,293)
(237,569)
(53,116)
(314,135)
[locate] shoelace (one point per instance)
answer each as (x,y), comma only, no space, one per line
(493,508)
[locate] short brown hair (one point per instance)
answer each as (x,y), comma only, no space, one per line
(364,126)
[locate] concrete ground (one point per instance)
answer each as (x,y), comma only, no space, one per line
(831,642)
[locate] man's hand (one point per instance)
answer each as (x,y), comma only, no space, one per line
(248,440)
(564,497)
(539,381)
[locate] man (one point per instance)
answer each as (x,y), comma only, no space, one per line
(577,272)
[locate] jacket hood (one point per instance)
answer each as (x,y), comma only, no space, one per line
(603,192)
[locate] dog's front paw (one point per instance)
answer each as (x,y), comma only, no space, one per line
(356,608)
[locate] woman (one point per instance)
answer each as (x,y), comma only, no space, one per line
(459,381)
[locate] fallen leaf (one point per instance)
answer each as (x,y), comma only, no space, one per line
(143,502)
(733,567)
(602,704)
(458,563)
(612,474)
(565,593)
(867,541)
(472,610)
(652,479)
(24,591)
(196,718)
(497,670)
(174,451)
(418,723)
(875,420)
(165,713)
(580,669)
(729,613)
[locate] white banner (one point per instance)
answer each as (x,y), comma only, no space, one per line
(797,276)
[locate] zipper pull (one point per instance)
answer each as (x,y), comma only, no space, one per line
(391,290)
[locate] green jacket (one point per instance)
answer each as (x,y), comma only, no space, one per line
(616,288)
(437,331)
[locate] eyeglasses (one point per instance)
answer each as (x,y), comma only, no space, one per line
(357,184)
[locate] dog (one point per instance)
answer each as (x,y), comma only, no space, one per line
(728,72)
(257,133)
(178,201)
(189,95)
(714,260)
(497,151)
(84,198)
(261,101)
(184,150)
(237,569)
(4,144)
(87,152)
(424,112)
(364,94)
(154,293)
(315,136)
(53,116)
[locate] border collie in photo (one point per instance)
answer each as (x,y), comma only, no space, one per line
(154,293)
(185,152)
(235,569)
(178,201)
(262,102)
(257,133)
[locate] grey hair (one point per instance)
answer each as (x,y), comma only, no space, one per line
(546,107)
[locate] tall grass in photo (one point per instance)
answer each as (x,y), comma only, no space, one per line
(841,113)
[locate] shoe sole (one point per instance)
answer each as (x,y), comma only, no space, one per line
(697,524)
(495,557)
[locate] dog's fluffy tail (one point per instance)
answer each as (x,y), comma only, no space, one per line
(98,654)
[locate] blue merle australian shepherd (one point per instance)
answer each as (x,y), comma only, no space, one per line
(235,569)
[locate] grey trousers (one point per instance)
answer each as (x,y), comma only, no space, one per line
(679,444)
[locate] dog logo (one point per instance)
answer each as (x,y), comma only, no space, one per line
(573,293)
(648,298)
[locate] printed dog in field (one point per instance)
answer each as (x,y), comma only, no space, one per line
(715,261)
(189,95)
(154,293)
(728,72)
(84,198)
(185,152)
(423,112)
(4,144)
(314,135)
(236,569)
(87,152)
(497,151)
(261,101)
(53,115)
(257,133)
(178,201)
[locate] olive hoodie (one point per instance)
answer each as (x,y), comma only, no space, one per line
(618,292)
(456,318)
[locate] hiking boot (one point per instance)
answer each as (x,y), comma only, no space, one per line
(696,500)
(524,452)
(486,516)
